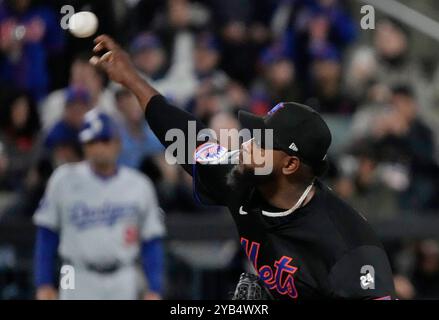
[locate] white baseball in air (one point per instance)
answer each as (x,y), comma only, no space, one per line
(83,24)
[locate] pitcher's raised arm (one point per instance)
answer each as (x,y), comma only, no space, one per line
(161,115)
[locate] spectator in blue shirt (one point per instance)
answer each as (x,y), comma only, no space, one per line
(138,141)
(66,130)
(28,35)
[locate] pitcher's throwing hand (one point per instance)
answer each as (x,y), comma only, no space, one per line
(115,61)
(118,66)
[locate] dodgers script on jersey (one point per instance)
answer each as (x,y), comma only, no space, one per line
(96,222)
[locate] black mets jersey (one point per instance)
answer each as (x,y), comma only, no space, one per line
(323,250)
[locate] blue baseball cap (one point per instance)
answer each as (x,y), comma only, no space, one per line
(326,52)
(207,41)
(97,127)
(273,54)
(145,41)
(77,95)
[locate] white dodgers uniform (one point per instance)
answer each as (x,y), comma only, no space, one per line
(101,223)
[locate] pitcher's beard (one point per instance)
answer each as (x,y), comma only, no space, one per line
(242,178)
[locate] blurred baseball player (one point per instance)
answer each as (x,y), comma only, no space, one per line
(98,217)
(302,240)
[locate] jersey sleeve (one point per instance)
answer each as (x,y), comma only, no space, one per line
(212,165)
(153,225)
(362,273)
(48,213)
(177,130)
(202,156)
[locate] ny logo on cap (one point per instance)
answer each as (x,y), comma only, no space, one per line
(276,108)
(293,147)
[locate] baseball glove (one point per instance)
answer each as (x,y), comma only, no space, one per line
(250,287)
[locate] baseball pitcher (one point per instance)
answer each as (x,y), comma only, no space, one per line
(302,240)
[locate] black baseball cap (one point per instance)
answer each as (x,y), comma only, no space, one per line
(298,130)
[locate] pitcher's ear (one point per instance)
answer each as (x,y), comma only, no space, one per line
(291,165)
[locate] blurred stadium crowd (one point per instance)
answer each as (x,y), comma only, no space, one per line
(214,58)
